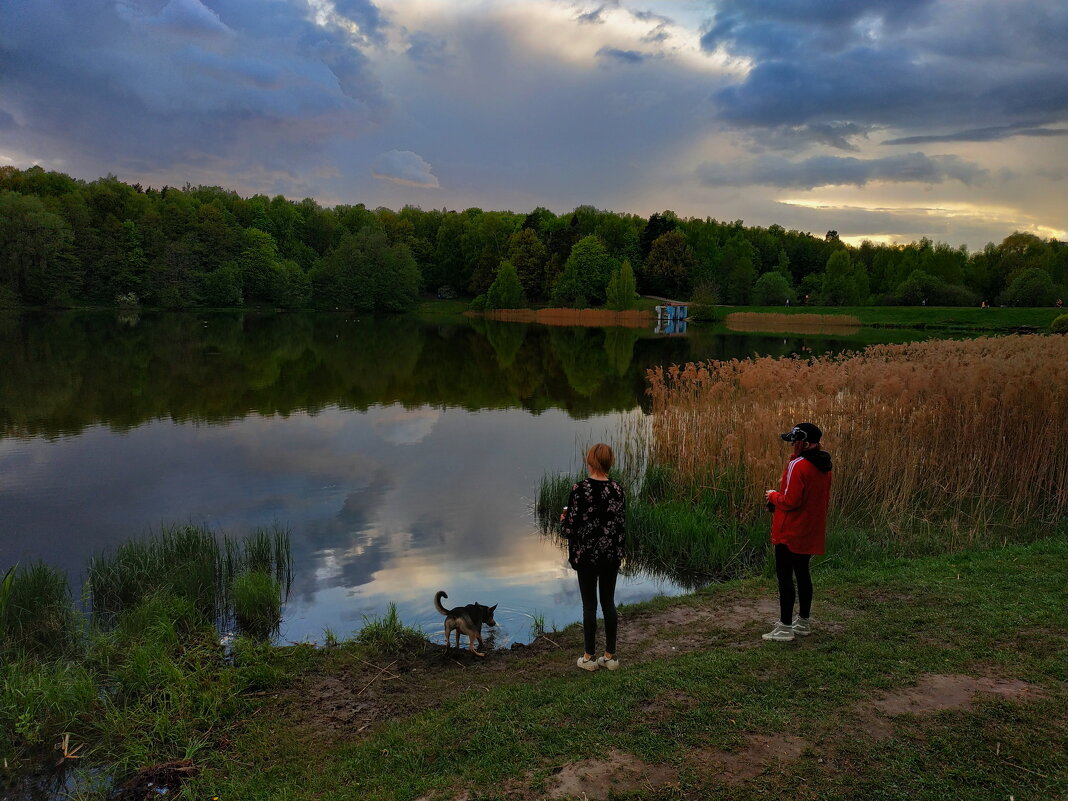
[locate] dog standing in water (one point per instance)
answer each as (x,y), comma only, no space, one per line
(467,620)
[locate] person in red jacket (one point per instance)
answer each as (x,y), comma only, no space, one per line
(799,526)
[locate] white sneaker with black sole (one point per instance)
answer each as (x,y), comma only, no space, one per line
(781,633)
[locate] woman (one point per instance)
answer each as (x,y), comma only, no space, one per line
(799,527)
(593,523)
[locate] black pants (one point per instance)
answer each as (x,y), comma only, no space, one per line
(787,565)
(589,578)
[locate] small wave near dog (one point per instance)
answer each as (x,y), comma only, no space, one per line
(465,620)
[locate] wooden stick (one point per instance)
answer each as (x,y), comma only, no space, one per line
(380,672)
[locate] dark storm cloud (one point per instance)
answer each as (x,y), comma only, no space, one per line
(909,64)
(994,134)
(836,170)
(621,56)
(232,85)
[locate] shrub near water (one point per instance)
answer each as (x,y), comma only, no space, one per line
(959,433)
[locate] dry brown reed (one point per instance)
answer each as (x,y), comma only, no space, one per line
(633,318)
(964,434)
(792,323)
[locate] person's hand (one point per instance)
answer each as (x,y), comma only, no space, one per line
(767,494)
(563,514)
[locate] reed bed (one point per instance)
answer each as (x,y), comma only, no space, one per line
(958,435)
(597,318)
(792,323)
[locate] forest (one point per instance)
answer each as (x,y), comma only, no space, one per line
(65,242)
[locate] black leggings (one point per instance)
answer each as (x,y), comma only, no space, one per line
(588,579)
(787,565)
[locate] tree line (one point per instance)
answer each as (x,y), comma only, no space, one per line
(67,242)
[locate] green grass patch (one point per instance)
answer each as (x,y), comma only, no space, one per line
(886,626)
(921,317)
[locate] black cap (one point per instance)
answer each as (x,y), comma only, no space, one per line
(803,432)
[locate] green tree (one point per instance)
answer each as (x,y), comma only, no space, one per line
(258,264)
(1032,287)
(366,273)
(621,288)
(505,292)
(771,289)
(738,271)
(839,286)
(585,275)
(670,265)
(529,256)
(37,263)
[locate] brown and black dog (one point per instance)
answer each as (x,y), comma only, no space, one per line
(467,620)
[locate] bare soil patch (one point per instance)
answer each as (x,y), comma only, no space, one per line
(761,753)
(936,693)
(618,772)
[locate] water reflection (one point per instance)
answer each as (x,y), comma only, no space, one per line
(402,455)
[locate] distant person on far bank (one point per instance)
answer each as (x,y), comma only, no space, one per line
(594,523)
(799,527)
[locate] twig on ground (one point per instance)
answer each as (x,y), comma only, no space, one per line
(375,678)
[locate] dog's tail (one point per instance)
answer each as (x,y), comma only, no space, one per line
(437,602)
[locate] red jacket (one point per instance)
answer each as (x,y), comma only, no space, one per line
(800,519)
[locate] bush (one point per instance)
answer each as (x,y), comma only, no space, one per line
(505,292)
(772,289)
(1059,324)
(478,304)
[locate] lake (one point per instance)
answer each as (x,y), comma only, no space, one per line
(402,453)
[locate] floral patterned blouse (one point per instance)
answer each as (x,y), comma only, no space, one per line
(595,523)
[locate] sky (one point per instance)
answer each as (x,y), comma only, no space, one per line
(889,120)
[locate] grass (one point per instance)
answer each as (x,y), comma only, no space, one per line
(189,562)
(388,634)
(140,677)
(987,613)
(257,598)
(37,615)
(947,317)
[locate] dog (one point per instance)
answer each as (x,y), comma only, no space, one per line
(467,620)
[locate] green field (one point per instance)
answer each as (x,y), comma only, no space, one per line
(947,317)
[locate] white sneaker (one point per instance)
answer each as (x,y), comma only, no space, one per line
(802,626)
(610,664)
(781,633)
(587,664)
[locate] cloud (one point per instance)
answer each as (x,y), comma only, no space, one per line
(621,56)
(836,170)
(405,168)
(993,134)
(7,121)
(237,89)
(908,65)
(190,18)
(427,51)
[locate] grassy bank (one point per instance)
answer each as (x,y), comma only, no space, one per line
(954,318)
(139,677)
(929,678)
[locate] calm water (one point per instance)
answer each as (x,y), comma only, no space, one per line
(402,455)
